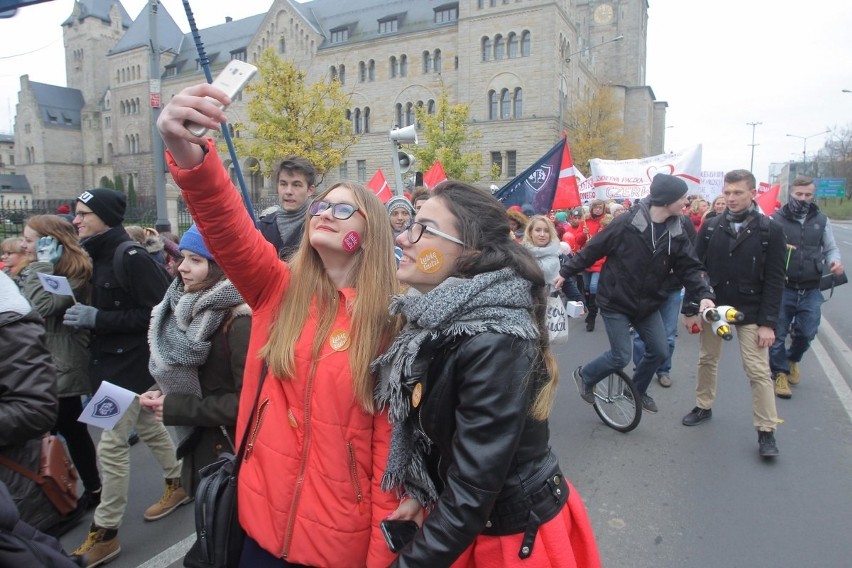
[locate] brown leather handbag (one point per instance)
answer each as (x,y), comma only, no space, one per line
(56,475)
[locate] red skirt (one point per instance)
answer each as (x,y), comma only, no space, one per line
(565,541)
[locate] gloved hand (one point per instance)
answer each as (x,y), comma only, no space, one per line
(49,250)
(80,316)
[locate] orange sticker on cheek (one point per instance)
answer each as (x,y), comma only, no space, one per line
(429,261)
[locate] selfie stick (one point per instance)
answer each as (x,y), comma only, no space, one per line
(205,66)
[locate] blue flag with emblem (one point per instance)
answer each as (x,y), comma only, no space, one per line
(536,185)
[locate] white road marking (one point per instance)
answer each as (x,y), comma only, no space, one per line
(170,555)
(844,393)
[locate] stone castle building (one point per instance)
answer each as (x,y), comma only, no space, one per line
(518,63)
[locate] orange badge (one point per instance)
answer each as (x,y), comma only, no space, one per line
(339,340)
(430,261)
(417,395)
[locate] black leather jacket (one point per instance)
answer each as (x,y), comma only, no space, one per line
(490,460)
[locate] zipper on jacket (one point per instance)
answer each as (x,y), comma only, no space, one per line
(256,428)
(353,470)
(288,535)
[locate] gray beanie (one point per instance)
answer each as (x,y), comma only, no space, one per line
(666,189)
(398,201)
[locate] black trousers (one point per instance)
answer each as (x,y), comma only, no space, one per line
(255,557)
(80,444)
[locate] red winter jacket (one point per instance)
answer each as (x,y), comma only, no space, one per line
(309,485)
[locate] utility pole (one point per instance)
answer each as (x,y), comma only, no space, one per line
(753,125)
(154,75)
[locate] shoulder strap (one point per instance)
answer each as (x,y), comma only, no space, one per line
(118,266)
(242,451)
(15,466)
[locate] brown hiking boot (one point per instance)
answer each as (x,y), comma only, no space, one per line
(782,389)
(100,547)
(174,496)
(794,377)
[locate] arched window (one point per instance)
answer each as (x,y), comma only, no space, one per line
(282,45)
(525,44)
(366,120)
(492,105)
(362,72)
(419,106)
(518,106)
(394,68)
(123,75)
(427,62)
(499,47)
(333,73)
(399,115)
(403,66)
(512,45)
(430,107)
(348,120)
(486,48)
(436,61)
(341,74)
(358,125)
(371,70)
(505,104)
(409,114)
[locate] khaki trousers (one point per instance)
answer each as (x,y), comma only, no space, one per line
(114,460)
(755,364)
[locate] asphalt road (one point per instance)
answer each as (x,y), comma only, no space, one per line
(663,495)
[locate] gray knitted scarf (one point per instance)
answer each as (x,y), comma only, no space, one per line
(289,222)
(498,302)
(180,334)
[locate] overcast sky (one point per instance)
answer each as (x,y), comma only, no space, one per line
(719,65)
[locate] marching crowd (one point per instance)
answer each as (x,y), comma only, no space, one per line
(383,362)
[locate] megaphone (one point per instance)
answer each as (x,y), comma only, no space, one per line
(407,135)
(723,330)
(406,161)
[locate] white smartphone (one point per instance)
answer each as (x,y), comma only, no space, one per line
(231,80)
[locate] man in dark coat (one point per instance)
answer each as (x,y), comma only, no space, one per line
(744,254)
(296,182)
(119,317)
(642,247)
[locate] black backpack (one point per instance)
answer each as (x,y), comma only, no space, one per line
(119,264)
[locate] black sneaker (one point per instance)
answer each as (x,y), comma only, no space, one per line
(648,404)
(697,416)
(587,392)
(766,444)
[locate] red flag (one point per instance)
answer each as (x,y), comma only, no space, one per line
(768,199)
(435,175)
(567,191)
(380,187)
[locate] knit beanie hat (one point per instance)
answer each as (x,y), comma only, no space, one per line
(398,201)
(666,189)
(561,216)
(107,204)
(192,241)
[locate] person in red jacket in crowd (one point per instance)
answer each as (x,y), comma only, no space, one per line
(309,487)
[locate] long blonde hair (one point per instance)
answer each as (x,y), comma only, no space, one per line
(373,275)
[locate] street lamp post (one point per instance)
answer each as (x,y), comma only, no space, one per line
(753,125)
(805,143)
(563,83)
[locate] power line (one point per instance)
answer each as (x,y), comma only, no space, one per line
(29,52)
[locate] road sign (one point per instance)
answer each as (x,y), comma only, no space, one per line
(830,187)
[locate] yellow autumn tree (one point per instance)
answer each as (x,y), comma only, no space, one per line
(596,130)
(444,136)
(287,117)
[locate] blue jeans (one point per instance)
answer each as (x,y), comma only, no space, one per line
(590,281)
(618,330)
(801,308)
(669,311)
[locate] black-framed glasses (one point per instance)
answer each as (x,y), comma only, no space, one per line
(82,214)
(416,230)
(340,211)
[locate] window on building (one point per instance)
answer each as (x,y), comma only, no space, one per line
(357,122)
(348,128)
(398,115)
(171,71)
(456,63)
(333,73)
(394,67)
(499,47)
(525,44)
(492,105)
(518,105)
(362,72)
(505,104)
(403,66)
(388,26)
(480,4)
(486,48)
(343,170)
(427,62)
(362,170)
(239,54)
(341,74)
(409,114)
(511,163)
(497,159)
(492,3)
(366,120)
(512,45)
(11,159)
(430,107)
(420,107)
(436,61)
(339,35)
(282,45)
(371,70)
(446,14)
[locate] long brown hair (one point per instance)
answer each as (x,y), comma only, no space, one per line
(373,275)
(74,263)
(483,224)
